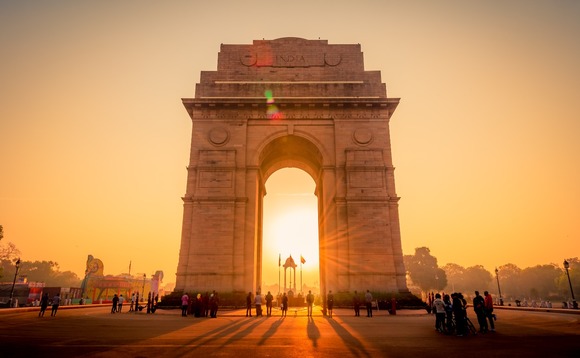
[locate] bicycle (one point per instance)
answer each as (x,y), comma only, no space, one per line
(451,327)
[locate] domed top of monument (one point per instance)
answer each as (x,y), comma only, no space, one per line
(291,67)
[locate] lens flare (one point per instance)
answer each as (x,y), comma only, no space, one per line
(272,111)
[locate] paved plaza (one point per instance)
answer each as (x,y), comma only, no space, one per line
(95,332)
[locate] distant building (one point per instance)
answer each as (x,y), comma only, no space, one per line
(96,287)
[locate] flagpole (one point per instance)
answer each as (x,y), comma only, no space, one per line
(301,273)
(279,262)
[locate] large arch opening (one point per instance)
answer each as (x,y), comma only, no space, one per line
(290,229)
(300,154)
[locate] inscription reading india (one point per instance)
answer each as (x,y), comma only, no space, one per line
(290,60)
(268,59)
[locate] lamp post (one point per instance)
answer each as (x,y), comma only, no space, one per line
(498,288)
(567,266)
(143,290)
(14,282)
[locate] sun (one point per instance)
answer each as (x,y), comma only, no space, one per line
(290,225)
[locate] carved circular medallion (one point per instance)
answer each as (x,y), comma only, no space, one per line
(248,59)
(362,136)
(332,59)
(218,136)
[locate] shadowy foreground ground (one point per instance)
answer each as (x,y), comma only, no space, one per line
(95,332)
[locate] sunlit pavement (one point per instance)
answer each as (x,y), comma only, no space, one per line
(95,332)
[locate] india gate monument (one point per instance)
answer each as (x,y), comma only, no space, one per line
(290,103)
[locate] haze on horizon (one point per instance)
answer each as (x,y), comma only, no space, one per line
(94,139)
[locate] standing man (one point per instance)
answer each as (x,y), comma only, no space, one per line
(184,304)
(488,308)
(132,302)
(55,304)
(459,314)
(369,303)
(309,302)
(284,304)
(115,303)
(439,308)
(249,305)
(258,301)
(356,304)
(269,299)
(120,303)
(330,303)
(478,307)
(43,305)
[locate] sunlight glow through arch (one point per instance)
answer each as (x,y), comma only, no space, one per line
(290,227)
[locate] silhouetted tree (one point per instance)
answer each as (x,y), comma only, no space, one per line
(455,278)
(467,280)
(424,271)
(540,281)
(510,281)
(42,271)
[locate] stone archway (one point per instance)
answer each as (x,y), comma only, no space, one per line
(298,103)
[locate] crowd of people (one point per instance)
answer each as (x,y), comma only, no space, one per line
(200,305)
(451,314)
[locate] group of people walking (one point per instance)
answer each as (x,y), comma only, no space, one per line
(259,300)
(451,313)
(200,305)
(45,301)
(119,300)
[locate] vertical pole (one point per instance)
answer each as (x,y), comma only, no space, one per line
(301,273)
(498,287)
(14,282)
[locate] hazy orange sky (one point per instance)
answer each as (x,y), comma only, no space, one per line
(94,139)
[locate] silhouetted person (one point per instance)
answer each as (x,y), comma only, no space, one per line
(488,308)
(458,313)
(184,304)
(369,303)
(330,303)
(249,305)
(150,302)
(120,303)
(43,305)
(479,308)
(356,304)
(439,309)
(269,299)
(206,304)
(309,302)
(55,304)
(258,302)
(448,313)
(214,304)
(284,304)
(115,303)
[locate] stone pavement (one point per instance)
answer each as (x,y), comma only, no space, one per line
(95,332)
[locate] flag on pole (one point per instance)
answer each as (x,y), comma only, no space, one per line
(302,259)
(279,260)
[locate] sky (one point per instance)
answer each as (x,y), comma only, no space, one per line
(94,139)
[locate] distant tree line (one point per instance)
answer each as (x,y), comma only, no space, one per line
(37,271)
(547,282)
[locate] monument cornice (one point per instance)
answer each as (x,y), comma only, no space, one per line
(296,101)
(359,104)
